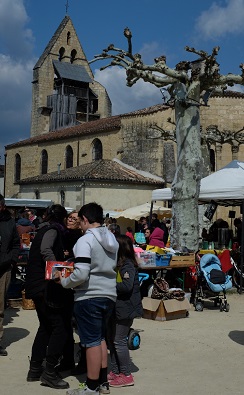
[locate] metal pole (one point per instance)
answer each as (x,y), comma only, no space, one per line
(150,214)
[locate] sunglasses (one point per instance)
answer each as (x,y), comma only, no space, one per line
(74,219)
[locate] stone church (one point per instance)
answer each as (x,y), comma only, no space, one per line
(77,152)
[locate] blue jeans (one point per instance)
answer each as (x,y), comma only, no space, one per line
(91,316)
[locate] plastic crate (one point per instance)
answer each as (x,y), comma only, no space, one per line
(147,259)
(163,260)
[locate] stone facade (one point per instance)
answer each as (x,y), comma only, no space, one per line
(62,45)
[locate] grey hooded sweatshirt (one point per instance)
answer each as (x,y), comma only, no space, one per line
(94,273)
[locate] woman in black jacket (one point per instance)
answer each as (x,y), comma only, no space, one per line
(9,252)
(128,306)
(53,303)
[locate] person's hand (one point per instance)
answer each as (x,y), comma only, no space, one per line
(57,277)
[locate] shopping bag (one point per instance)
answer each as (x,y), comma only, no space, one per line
(140,238)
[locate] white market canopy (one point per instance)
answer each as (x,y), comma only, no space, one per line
(143,210)
(225,186)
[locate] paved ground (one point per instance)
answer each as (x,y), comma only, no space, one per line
(202,354)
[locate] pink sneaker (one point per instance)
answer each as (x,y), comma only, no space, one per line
(111,376)
(122,381)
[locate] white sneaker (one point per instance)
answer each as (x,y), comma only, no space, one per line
(83,390)
(104,388)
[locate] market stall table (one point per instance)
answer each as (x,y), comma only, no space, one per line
(180,264)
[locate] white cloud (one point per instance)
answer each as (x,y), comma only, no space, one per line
(126,99)
(221,20)
(15,38)
(16,65)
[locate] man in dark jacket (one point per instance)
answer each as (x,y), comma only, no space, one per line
(9,251)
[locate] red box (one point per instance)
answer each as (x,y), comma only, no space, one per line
(66,268)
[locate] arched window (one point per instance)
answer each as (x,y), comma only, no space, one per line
(212,159)
(62,198)
(68,38)
(69,157)
(97,150)
(61,53)
(73,55)
(44,162)
(17,172)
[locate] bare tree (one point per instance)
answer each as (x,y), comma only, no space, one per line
(188,86)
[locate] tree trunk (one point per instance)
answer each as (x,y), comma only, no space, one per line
(186,184)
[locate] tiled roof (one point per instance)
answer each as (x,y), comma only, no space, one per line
(101,125)
(147,110)
(101,170)
(229,94)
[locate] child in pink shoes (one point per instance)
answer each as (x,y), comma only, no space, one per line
(128,306)
(120,380)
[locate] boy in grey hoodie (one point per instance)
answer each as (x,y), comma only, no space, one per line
(94,283)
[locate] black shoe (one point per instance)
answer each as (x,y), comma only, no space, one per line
(53,380)
(3,352)
(35,371)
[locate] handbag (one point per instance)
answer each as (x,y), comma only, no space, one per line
(160,289)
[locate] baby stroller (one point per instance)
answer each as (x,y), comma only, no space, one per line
(212,283)
(133,339)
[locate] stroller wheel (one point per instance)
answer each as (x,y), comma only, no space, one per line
(199,306)
(133,339)
(227,307)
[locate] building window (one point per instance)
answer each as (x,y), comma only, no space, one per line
(17,167)
(68,38)
(61,53)
(69,157)
(44,162)
(73,55)
(97,150)
(62,197)
(212,159)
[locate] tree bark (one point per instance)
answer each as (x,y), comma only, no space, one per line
(186,184)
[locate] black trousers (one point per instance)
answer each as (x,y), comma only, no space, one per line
(55,333)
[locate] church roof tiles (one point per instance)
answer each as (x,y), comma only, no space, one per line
(100,170)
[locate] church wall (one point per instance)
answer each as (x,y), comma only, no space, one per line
(104,102)
(225,112)
(82,154)
(139,150)
(110,195)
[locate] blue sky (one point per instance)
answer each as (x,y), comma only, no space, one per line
(158,27)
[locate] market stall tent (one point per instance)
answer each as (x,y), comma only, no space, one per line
(225,187)
(143,210)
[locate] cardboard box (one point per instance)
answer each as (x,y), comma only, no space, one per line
(164,310)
